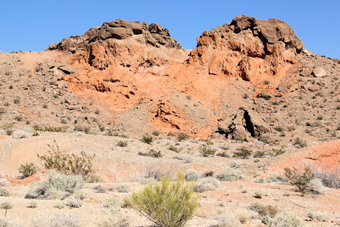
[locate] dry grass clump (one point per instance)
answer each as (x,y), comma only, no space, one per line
(57,186)
(207,184)
(192,175)
(229,174)
(316,186)
(283,219)
(227,220)
(123,188)
(264,210)
(65,220)
(329,177)
(4,222)
(207,150)
(318,216)
(117,219)
(4,192)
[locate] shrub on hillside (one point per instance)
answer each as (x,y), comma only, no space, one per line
(206,150)
(299,179)
(57,186)
(65,220)
(229,174)
(27,170)
(192,175)
(147,139)
(171,204)
(69,164)
(4,192)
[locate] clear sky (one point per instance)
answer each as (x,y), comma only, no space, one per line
(31,25)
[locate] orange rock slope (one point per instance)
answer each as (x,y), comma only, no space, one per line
(130,65)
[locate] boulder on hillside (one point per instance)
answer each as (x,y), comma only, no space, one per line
(244,125)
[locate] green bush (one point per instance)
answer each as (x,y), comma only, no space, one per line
(155,154)
(57,186)
(8,129)
(122,143)
(206,150)
(27,170)
(173,148)
(170,204)
(299,179)
(66,163)
(301,143)
(182,136)
(147,139)
(243,152)
(264,210)
(4,192)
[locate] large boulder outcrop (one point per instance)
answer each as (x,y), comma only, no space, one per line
(247,48)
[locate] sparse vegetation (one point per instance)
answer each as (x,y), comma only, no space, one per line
(206,150)
(299,179)
(170,204)
(192,175)
(243,152)
(182,136)
(207,184)
(122,143)
(147,139)
(8,129)
(27,169)
(173,148)
(229,174)
(69,164)
(301,143)
(4,192)
(57,186)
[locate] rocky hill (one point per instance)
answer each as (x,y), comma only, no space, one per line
(245,80)
(239,107)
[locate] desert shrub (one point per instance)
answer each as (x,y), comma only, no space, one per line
(113,203)
(147,181)
(264,210)
(182,136)
(66,163)
(123,188)
(206,150)
(318,216)
(207,184)
(192,175)
(95,178)
(259,194)
(59,205)
(329,178)
(316,186)
(285,219)
(117,219)
(57,186)
(33,204)
(147,139)
(27,170)
(99,189)
(170,204)
(273,177)
(227,220)
(4,192)
(157,173)
(122,143)
(173,148)
(59,220)
(155,154)
(4,182)
(228,174)
(277,152)
(156,133)
(299,179)
(8,129)
(74,202)
(243,152)
(234,165)
(6,205)
(299,142)
(4,222)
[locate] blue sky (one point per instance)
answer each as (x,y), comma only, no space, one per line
(31,25)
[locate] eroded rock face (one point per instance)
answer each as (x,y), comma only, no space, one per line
(152,34)
(245,124)
(247,48)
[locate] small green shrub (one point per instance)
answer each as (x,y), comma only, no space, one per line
(4,192)
(66,163)
(182,136)
(264,210)
(173,148)
(147,139)
(57,186)
(170,204)
(123,188)
(301,143)
(74,202)
(8,129)
(299,179)
(243,152)
(27,170)
(6,205)
(155,154)
(122,143)
(156,133)
(206,150)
